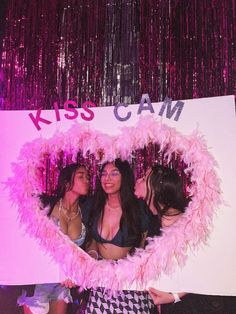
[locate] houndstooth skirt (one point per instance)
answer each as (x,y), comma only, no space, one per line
(124,302)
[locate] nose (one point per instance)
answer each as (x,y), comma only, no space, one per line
(107,176)
(86,180)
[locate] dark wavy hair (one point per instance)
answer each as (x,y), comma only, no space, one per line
(64,184)
(166,187)
(129,202)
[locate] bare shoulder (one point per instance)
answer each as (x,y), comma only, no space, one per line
(55,212)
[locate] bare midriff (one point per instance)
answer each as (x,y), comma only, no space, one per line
(111,251)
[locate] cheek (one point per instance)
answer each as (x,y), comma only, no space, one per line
(79,185)
(83,188)
(142,189)
(102,184)
(119,184)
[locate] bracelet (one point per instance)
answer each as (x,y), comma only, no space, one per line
(176,297)
(93,251)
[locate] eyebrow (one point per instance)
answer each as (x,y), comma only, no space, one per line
(112,170)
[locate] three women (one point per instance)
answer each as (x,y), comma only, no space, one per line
(119,223)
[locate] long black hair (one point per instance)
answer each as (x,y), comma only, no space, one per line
(166,187)
(129,202)
(64,184)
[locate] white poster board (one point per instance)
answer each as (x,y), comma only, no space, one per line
(209,270)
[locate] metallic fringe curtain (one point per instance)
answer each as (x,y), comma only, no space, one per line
(113,51)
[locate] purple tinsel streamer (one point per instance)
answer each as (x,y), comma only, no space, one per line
(111,51)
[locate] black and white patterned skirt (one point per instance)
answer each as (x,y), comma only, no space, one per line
(124,302)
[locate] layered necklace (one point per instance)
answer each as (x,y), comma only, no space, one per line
(70,214)
(111,207)
(168,220)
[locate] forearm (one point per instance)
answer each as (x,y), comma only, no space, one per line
(92,249)
(182,294)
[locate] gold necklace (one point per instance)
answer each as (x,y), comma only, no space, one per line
(112,208)
(65,211)
(170,220)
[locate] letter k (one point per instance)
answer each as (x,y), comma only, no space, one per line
(38,119)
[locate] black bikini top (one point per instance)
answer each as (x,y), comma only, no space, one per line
(122,237)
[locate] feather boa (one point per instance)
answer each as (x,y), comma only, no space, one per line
(161,252)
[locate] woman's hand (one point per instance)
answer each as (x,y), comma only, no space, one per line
(93,254)
(92,249)
(68,283)
(161,297)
